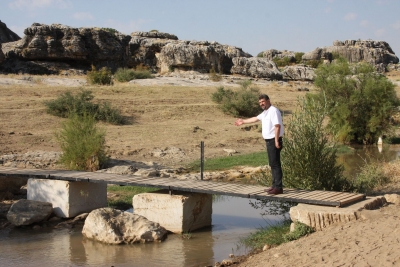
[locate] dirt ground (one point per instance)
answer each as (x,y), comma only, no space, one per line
(179,114)
(167,114)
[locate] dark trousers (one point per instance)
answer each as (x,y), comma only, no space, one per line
(274,158)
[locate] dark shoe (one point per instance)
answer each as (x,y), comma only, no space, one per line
(268,189)
(275,191)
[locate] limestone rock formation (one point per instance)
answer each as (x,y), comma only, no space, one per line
(374,52)
(256,67)
(273,53)
(83,47)
(26,212)
(59,42)
(167,54)
(117,227)
(299,73)
(6,35)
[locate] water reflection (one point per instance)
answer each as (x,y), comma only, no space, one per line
(232,219)
(361,155)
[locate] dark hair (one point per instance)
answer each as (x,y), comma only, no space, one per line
(263,96)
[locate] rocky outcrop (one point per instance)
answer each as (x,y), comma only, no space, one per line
(374,52)
(26,212)
(299,73)
(256,67)
(7,35)
(83,47)
(164,55)
(59,42)
(113,226)
(273,53)
(2,57)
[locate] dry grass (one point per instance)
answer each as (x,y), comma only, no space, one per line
(161,116)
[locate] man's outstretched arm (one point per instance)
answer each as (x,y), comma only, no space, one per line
(239,122)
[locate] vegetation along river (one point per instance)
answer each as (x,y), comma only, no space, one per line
(233,218)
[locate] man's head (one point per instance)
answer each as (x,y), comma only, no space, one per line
(263,101)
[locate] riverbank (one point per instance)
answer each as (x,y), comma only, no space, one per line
(371,241)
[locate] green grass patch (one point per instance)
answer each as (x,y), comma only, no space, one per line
(276,235)
(224,163)
(124,194)
(272,235)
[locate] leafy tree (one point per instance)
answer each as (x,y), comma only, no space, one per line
(360,101)
(308,158)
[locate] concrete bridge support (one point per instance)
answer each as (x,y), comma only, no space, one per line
(177,212)
(69,199)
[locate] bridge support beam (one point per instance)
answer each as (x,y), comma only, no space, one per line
(69,199)
(320,217)
(177,212)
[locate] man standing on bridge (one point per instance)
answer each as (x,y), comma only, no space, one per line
(272,131)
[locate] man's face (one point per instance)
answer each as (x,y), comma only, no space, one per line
(264,104)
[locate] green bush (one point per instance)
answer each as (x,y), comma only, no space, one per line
(67,104)
(315,63)
(300,230)
(110,30)
(261,54)
(243,102)
(102,76)
(360,101)
(82,144)
(126,75)
(282,62)
(299,57)
(370,176)
(308,159)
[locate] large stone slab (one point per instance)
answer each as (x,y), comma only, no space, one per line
(320,217)
(26,212)
(114,226)
(69,199)
(179,212)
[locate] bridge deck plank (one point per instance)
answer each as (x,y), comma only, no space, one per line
(318,197)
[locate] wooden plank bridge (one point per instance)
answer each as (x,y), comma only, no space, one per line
(326,198)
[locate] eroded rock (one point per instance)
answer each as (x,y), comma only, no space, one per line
(374,52)
(117,227)
(26,212)
(256,67)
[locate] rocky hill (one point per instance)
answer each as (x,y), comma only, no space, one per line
(52,49)
(6,35)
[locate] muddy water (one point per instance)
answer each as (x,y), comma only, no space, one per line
(360,155)
(232,219)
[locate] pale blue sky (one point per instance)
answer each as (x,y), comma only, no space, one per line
(253,25)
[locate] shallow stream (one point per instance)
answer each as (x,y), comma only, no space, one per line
(232,219)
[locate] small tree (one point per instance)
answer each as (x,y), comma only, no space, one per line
(360,101)
(82,143)
(308,159)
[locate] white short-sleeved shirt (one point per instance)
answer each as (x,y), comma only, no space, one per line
(269,118)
